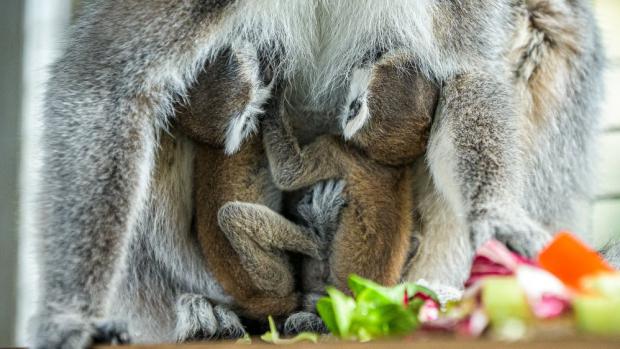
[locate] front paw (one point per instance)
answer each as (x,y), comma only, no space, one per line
(304,321)
(111,332)
(511,227)
(75,331)
(320,207)
(198,319)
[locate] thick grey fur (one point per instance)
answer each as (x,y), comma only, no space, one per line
(114,206)
(319,209)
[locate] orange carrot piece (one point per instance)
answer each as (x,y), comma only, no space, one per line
(569,260)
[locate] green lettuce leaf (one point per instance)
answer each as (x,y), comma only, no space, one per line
(273,336)
(375,311)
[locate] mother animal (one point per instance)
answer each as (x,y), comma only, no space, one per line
(509,155)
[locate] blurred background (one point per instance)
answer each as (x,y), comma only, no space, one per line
(31,33)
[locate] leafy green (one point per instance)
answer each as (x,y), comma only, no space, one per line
(273,336)
(325,309)
(375,311)
(246,339)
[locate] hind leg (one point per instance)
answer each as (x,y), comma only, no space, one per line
(261,236)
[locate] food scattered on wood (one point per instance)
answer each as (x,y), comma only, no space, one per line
(568,286)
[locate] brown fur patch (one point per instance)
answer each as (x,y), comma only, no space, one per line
(401,102)
(542,58)
(374,234)
(219,92)
(376,226)
(219,179)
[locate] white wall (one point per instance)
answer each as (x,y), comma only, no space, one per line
(10,91)
(606,213)
(44,24)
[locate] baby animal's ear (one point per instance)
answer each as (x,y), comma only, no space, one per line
(245,123)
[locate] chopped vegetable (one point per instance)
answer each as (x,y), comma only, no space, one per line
(559,256)
(336,310)
(503,299)
(597,315)
(506,293)
(603,284)
(246,339)
(274,337)
(546,295)
(597,310)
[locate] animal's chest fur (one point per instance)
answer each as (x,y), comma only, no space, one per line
(318,42)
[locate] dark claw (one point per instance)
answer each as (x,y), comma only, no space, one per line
(111,333)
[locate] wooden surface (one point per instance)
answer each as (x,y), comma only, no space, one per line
(568,343)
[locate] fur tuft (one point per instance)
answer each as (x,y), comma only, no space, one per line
(246,123)
(358,95)
(318,43)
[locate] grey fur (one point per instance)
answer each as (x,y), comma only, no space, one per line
(114,200)
(320,206)
(554,67)
(612,252)
(198,319)
(320,209)
(486,163)
(304,322)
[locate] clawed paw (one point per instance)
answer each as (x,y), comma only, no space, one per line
(516,230)
(320,207)
(111,332)
(75,331)
(304,322)
(198,319)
